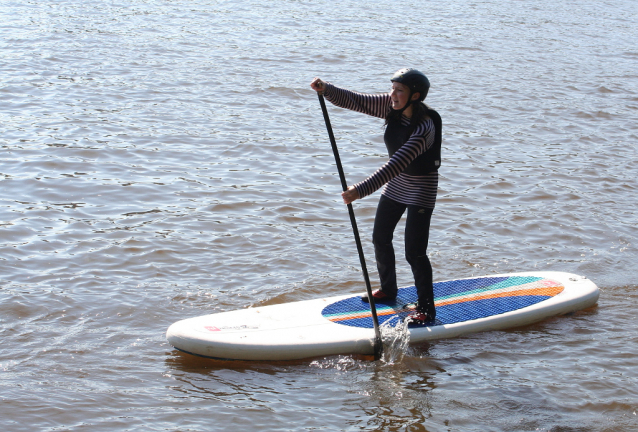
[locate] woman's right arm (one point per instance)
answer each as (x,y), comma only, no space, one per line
(374,105)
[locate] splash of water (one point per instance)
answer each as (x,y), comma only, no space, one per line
(341,363)
(395,337)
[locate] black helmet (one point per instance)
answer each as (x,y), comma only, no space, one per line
(415,80)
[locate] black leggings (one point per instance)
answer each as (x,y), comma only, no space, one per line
(417,229)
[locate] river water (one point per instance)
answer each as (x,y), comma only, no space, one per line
(167,159)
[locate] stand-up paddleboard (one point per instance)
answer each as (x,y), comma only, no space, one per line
(343,324)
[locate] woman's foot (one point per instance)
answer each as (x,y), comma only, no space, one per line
(417,317)
(379,297)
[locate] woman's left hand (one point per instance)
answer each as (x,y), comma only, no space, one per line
(350,195)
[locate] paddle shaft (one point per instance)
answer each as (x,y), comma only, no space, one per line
(378,345)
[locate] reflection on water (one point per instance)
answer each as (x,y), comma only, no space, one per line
(162,160)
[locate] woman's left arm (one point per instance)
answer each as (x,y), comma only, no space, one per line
(421,139)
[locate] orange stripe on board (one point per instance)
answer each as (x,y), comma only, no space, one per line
(365,315)
(549,291)
(546,291)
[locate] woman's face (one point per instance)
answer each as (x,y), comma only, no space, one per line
(399,95)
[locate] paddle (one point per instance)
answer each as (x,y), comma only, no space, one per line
(378,345)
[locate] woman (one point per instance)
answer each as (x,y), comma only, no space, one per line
(413,138)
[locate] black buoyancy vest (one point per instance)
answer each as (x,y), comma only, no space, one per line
(396,134)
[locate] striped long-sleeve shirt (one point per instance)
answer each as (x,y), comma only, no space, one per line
(401,187)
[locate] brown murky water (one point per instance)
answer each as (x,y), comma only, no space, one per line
(162,160)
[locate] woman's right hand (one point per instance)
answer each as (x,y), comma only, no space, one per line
(350,195)
(318,85)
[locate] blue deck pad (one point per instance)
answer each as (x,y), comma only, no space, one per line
(354,312)
(444,289)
